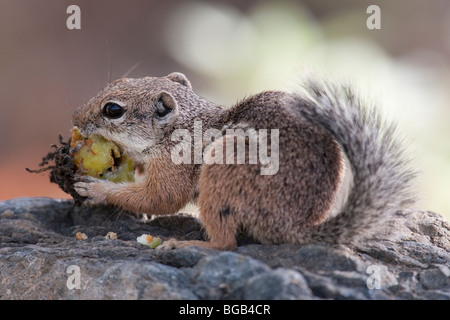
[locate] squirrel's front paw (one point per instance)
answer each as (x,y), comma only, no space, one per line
(93,189)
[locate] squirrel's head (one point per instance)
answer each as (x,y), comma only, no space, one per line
(136,114)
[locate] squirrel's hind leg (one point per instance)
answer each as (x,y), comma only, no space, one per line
(173,244)
(220,226)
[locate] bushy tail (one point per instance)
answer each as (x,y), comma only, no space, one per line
(382,175)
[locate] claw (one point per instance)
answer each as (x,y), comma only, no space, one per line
(167,245)
(81,188)
(79,178)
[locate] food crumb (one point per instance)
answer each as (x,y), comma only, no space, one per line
(149,240)
(111,235)
(81,236)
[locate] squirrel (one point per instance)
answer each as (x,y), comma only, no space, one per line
(341,170)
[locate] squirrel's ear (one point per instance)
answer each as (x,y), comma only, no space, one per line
(180,78)
(167,109)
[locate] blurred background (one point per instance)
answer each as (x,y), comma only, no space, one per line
(229,50)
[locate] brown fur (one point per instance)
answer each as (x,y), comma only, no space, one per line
(279,208)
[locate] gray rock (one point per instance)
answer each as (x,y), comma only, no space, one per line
(438,278)
(223,276)
(280,284)
(41,259)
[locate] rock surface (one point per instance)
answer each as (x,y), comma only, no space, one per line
(40,258)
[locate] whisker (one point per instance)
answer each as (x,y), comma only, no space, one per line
(108,58)
(131,69)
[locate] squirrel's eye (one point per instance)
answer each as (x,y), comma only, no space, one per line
(113,110)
